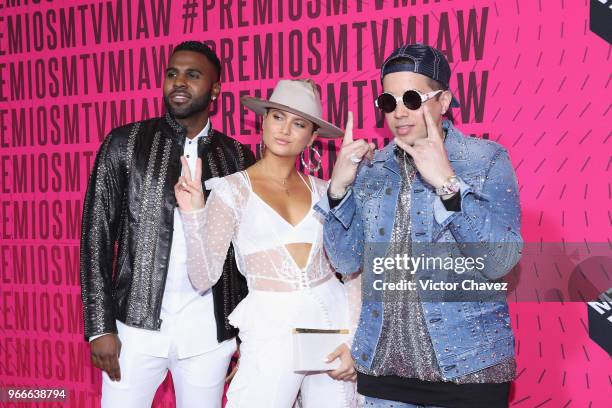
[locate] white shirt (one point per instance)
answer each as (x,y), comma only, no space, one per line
(188,320)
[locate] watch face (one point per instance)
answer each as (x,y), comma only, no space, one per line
(453,184)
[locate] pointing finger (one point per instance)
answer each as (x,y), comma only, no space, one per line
(348,131)
(186,169)
(198,171)
(407,148)
(433,132)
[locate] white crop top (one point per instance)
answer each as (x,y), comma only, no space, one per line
(271,223)
(235,214)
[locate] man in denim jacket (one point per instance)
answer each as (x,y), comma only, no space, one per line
(435,194)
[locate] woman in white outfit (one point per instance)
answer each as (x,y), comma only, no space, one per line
(267,213)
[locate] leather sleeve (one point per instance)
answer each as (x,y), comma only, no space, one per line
(100,221)
(248,157)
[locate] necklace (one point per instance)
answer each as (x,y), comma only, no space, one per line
(284,185)
(283,182)
(408,173)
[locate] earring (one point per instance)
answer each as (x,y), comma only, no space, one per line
(310,167)
(262,147)
(213,98)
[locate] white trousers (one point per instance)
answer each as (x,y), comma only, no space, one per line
(265,378)
(198,381)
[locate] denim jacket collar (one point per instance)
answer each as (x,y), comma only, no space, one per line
(454,142)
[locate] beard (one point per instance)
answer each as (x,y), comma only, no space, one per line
(188,109)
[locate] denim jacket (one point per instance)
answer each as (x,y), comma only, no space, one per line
(467,336)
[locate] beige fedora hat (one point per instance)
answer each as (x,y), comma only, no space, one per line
(299,97)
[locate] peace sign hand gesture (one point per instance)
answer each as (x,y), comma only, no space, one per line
(188,192)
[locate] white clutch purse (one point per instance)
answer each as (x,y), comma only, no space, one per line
(312,346)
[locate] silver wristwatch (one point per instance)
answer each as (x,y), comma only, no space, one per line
(336,196)
(451,186)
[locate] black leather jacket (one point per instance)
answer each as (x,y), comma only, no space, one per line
(127,225)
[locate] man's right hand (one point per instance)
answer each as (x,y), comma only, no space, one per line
(105,352)
(351,153)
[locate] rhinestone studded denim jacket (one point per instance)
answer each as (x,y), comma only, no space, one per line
(467,335)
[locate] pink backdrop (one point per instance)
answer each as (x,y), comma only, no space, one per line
(529,74)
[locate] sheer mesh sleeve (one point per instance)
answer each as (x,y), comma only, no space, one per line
(208,233)
(353,293)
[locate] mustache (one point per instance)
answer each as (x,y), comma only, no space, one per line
(194,106)
(179,92)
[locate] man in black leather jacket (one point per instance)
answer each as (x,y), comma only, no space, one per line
(141,314)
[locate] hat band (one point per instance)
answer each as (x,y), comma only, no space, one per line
(308,110)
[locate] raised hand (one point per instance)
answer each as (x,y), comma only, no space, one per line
(429,154)
(188,191)
(351,154)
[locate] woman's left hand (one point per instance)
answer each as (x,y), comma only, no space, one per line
(188,191)
(346,371)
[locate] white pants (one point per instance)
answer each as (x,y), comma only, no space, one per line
(265,378)
(198,381)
